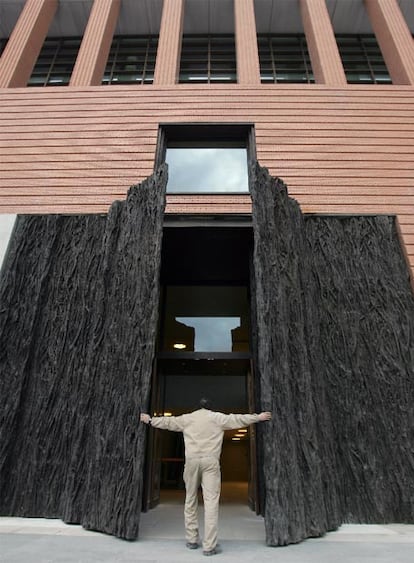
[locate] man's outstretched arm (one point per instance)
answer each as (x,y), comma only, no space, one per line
(232,421)
(173,423)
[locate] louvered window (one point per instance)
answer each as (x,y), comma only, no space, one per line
(284,59)
(208,58)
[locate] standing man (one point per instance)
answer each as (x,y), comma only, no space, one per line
(203,432)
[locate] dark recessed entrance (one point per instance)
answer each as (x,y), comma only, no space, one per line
(203,350)
(206,254)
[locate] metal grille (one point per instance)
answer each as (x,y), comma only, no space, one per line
(284,59)
(208,58)
(56,61)
(362,60)
(131,60)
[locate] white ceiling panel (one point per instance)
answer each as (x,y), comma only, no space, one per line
(286,17)
(196,16)
(201,16)
(221,18)
(278,16)
(71,18)
(9,14)
(139,17)
(407,8)
(263,12)
(209,16)
(349,16)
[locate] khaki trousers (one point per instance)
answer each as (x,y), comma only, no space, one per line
(204,471)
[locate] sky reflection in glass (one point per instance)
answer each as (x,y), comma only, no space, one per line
(195,170)
(212,334)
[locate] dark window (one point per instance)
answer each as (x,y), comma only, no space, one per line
(131,60)
(56,61)
(362,59)
(284,59)
(208,58)
(206,158)
(3,43)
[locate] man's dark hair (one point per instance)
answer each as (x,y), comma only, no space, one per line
(205,403)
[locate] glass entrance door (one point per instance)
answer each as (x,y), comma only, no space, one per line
(182,383)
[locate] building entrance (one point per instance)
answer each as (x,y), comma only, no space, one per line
(203,350)
(181,384)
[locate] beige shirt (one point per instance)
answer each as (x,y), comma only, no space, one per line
(203,429)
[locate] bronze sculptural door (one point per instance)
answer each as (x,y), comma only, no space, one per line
(333,313)
(79,303)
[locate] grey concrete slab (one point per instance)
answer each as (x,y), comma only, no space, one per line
(241,537)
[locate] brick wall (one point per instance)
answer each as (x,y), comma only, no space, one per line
(340,150)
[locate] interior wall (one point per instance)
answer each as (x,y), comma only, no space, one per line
(235,461)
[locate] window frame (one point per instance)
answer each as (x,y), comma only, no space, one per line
(199,133)
(286,53)
(211,56)
(57,57)
(363,48)
(144,50)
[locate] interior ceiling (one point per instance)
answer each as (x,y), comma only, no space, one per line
(201,16)
(348,16)
(206,255)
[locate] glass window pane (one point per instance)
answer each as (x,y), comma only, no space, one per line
(362,57)
(206,319)
(55,62)
(195,170)
(284,58)
(212,53)
(131,60)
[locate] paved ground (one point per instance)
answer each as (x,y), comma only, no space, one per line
(241,537)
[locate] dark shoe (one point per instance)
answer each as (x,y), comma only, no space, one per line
(213,551)
(191,545)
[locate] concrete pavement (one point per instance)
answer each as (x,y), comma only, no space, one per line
(242,540)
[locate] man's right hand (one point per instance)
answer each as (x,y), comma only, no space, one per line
(145,418)
(263,416)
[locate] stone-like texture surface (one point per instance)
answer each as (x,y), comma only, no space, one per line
(366,339)
(334,317)
(79,306)
(333,347)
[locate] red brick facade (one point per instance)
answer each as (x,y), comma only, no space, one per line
(341,149)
